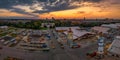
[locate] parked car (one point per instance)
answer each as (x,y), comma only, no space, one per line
(12,40)
(44,45)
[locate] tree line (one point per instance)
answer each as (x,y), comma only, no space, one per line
(58,23)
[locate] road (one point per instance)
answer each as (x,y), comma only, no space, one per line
(54,54)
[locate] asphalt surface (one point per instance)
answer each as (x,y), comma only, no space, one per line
(54,54)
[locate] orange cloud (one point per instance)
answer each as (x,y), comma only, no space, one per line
(89,12)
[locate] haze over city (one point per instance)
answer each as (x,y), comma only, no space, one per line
(68,9)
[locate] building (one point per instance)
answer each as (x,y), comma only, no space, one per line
(26,38)
(77,34)
(114,49)
(99,29)
(101,45)
(36,33)
(112,26)
(48,25)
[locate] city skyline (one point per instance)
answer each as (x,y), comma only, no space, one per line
(60,9)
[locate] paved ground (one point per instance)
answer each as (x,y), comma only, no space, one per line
(54,54)
(57,54)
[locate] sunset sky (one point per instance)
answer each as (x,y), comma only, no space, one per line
(68,9)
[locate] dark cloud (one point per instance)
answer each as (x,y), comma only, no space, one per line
(22,12)
(56,5)
(93,0)
(7,4)
(42,0)
(18,17)
(48,5)
(115,2)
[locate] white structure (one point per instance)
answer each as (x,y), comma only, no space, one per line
(77,33)
(113,26)
(25,39)
(36,32)
(47,24)
(70,34)
(115,46)
(4,27)
(100,45)
(99,29)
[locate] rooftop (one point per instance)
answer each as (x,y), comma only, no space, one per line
(111,25)
(76,32)
(115,46)
(101,29)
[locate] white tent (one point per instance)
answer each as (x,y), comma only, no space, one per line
(114,26)
(76,32)
(100,29)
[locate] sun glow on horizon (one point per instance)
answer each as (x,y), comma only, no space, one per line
(89,12)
